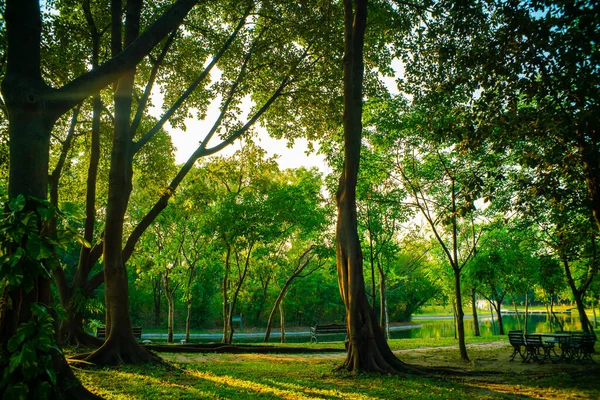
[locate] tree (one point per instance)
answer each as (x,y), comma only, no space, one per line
(367,347)
(33,108)
(300,270)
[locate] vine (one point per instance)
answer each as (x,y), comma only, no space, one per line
(27,253)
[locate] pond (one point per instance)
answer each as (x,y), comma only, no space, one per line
(430,327)
(434,327)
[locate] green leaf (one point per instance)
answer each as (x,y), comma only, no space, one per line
(52,375)
(72,210)
(25,359)
(23,332)
(44,390)
(43,343)
(37,248)
(45,213)
(15,279)
(15,257)
(17,203)
(39,310)
(17,391)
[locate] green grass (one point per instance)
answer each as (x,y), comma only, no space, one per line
(269,376)
(259,376)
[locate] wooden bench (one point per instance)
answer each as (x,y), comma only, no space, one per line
(518,343)
(326,329)
(137,332)
(582,346)
(537,349)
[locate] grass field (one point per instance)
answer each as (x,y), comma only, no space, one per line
(489,375)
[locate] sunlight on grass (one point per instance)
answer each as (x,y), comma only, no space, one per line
(290,391)
(144,387)
(328,393)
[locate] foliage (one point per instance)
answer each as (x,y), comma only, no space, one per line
(26,255)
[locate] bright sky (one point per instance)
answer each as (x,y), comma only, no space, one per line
(294,157)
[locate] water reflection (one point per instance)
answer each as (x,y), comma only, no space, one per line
(438,328)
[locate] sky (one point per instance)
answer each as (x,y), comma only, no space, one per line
(186,142)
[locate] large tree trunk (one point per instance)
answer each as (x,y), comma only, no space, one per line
(476,331)
(29,132)
(367,347)
(120,345)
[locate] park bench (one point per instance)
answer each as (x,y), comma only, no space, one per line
(137,332)
(582,346)
(537,349)
(518,343)
(326,329)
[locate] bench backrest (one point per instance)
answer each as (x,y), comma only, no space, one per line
(331,328)
(137,332)
(533,339)
(516,338)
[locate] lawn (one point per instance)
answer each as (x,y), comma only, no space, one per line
(489,375)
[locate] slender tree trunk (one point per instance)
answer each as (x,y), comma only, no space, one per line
(263,300)
(497,307)
(517,312)
(278,301)
(225,285)
(476,331)
(383,317)
(282,321)
(492,315)
(157,296)
(169,294)
(595,324)
(188,321)
(526,311)
(241,280)
(455,315)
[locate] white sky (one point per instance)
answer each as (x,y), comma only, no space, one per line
(186,142)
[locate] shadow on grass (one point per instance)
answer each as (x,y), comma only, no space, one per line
(235,377)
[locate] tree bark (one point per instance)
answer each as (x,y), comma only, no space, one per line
(120,345)
(367,347)
(282,321)
(460,317)
(476,331)
(517,312)
(225,288)
(29,131)
(169,293)
(188,321)
(383,312)
(497,306)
